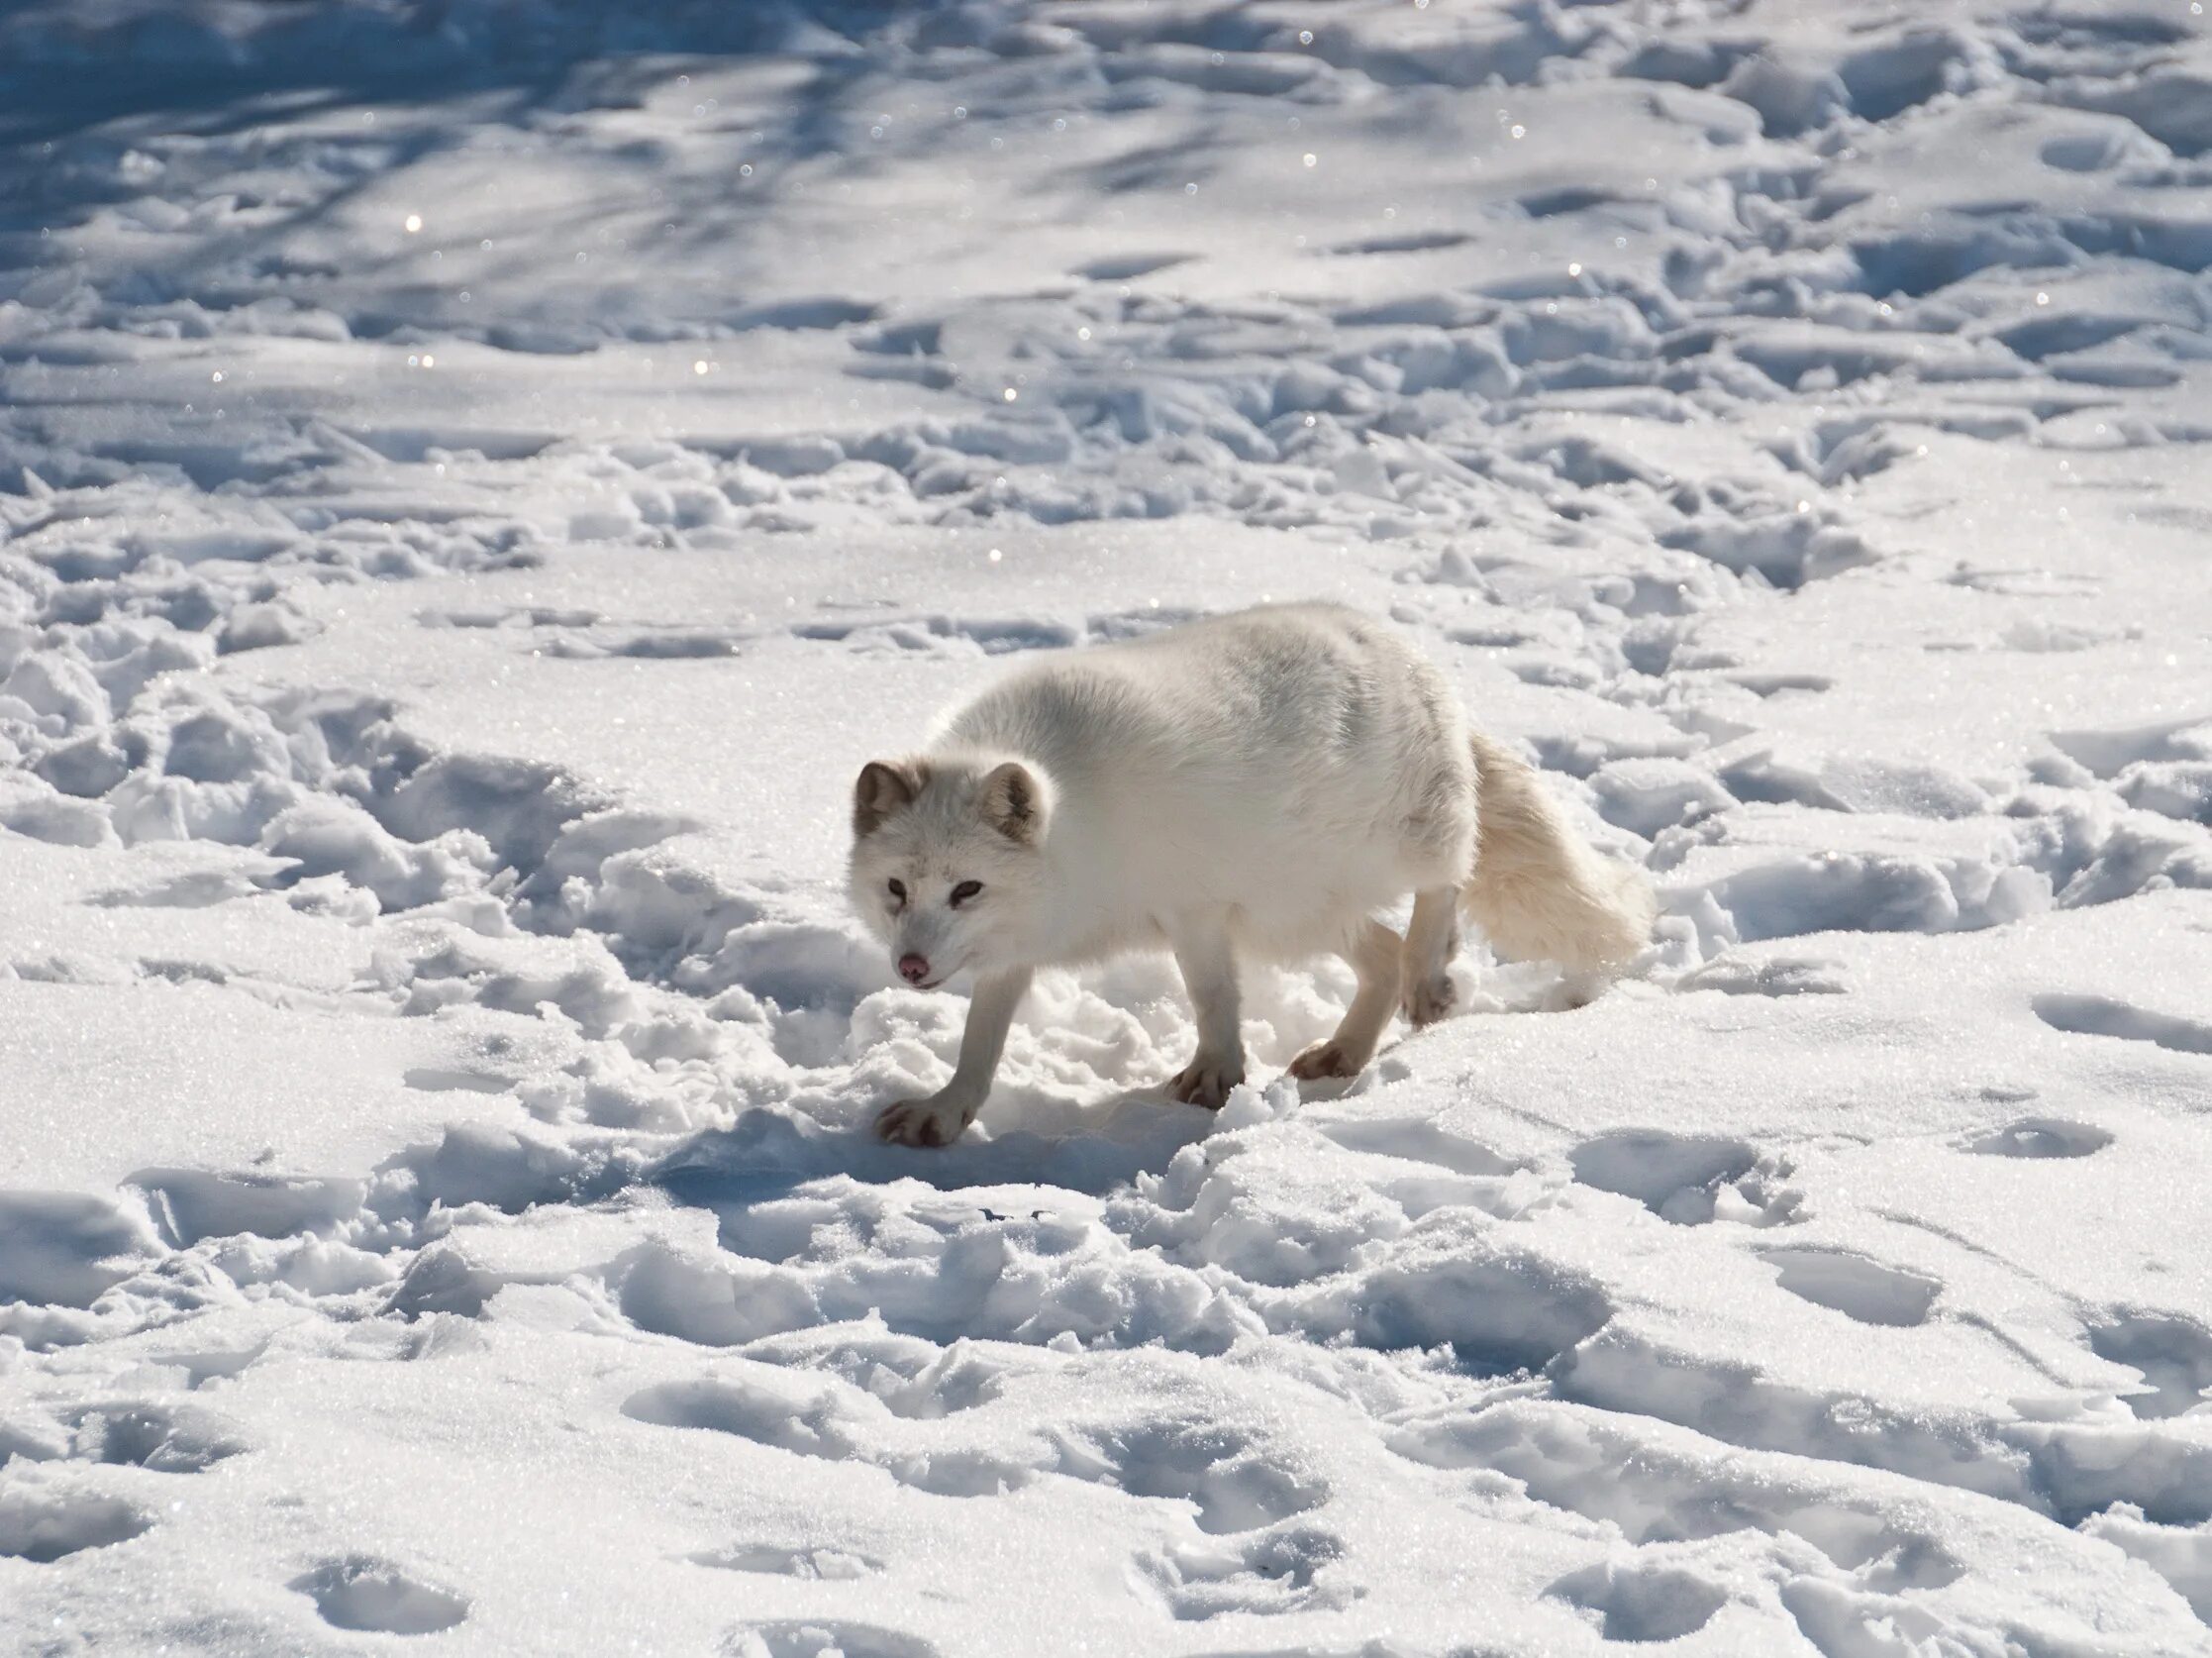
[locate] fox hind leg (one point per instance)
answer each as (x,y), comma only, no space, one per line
(1432,940)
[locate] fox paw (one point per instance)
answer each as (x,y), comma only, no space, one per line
(921,1123)
(1327,1058)
(1206,1081)
(1429,1000)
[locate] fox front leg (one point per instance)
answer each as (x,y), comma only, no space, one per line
(939,1119)
(1209,969)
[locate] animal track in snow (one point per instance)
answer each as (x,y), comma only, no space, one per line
(1660,1490)
(2066,1470)
(202,1368)
(812,1429)
(2038,1137)
(1229,1477)
(1500,1316)
(1777,685)
(1630,1602)
(2109,753)
(1653,793)
(164,1439)
(48,1526)
(43,1526)
(66,1249)
(1234,1481)
(1420,1142)
(1845,893)
(1126,267)
(1687,1179)
(1782,975)
(824,1639)
(1415,242)
(190,1205)
(672,643)
(429,1080)
(2182,1555)
(909,1376)
(2172,1354)
(774,1559)
(360,1593)
(995,636)
(1854,1285)
(822,1426)
(1270,1571)
(2102,1016)
(192,889)
(502,616)
(1108,626)
(1844,1622)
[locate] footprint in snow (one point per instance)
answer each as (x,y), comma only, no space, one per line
(1228,1477)
(1855,1286)
(993,637)
(192,889)
(827,1425)
(655,645)
(1613,1472)
(777,1560)
(1271,1572)
(1110,626)
(67,1249)
(1780,975)
(1777,685)
(202,1368)
(191,1205)
(44,1526)
(431,1080)
(144,1434)
(822,1639)
(909,1376)
(1126,266)
(1416,241)
(1511,1315)
(360,1593)
(2040,1137)
(1686,1178)
(1841,1618)
(813,1427)
(1236,1482)
(1630,1603)
(1420,1142)
(2103,1016)
(2172,1354)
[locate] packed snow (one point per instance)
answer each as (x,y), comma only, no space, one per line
(478,480)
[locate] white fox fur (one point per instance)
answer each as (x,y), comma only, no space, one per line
(1258,785)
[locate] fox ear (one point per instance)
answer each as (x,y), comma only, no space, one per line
(882,789)
(1014,803)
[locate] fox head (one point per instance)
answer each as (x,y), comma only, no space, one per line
(948,861)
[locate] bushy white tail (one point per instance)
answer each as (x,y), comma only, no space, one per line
(1538,892)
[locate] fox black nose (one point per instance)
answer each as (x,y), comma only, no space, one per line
(914,968)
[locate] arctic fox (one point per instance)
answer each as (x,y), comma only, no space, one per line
(1258,785)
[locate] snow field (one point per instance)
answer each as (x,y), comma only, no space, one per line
(462,531)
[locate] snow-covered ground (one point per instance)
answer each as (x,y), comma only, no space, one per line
(476,480)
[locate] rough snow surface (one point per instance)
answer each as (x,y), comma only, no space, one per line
(475,483)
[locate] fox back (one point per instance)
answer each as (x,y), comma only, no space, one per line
(1297,766)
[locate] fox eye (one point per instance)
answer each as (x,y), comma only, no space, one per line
(898,890)
(964,892)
